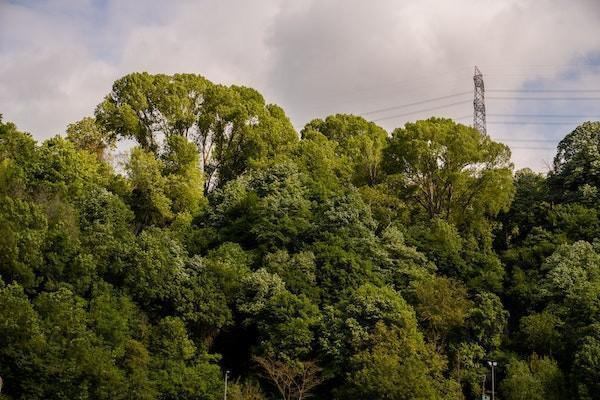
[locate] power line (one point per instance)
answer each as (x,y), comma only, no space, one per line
(532,122)
(424,110)
(544,90)
(404,84)
(527,140)
(543,98)
(531,148)
(415,103)
(543,115)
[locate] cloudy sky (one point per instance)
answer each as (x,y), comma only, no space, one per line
(540,59)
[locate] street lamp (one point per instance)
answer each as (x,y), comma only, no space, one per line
(492,364)
(226,376)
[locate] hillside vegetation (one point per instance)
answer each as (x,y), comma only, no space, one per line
(339,262)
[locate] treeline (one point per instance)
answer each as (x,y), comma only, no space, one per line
(340,262)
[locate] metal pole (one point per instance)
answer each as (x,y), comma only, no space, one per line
(493,364)
(226,376)
(493,389)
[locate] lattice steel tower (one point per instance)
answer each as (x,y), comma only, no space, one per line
(479,102)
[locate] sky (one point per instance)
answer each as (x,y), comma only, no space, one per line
(540,59)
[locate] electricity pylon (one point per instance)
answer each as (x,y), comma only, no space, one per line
(479,103)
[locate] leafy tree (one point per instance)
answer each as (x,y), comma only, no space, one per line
(542,332)
(452,171)
(180,369)
(359,143)
(106,232)
(468,359)
(347,327)
(488,320)
(19,152)
(538,378)
(403,264)
(284,321)
(575,176)
(245,391)
(266,208)
(470,259)
(397,365)
(156,277)
(23,228)
(345,245)
(587,362)
(183,179)
(233,127)
(528,209)
(21,343)
(316,157)
(64,171)
(297,271)
(571,271)
(143,106)
(238,130)
(86,134)
(442,306)
(149,200)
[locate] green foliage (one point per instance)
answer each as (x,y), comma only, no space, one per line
(316,157)
(528,208)
(148,198)
(357,142)
(488,320)
(539,378)
(345,264)
(180,370)
(347,327)
(183,179)
(284,321)
(238,130)
(442,307)
(571,271)
(451,171)
(587,362)
(297,271)
(88,135)
(233,127)
(345,245)
(575,176)
(398,365)
(266,208)
(542,332)
(23,228)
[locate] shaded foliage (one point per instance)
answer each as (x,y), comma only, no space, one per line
(345,263)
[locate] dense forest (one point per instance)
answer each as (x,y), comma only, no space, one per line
(338,262)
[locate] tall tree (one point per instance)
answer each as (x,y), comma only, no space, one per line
(576,173)
(233,127)
(147,107)
(451,171)
(360,144)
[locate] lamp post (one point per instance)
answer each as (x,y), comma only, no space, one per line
(492,364)
(226,376)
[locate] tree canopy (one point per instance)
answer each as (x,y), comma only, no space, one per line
(343,262)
